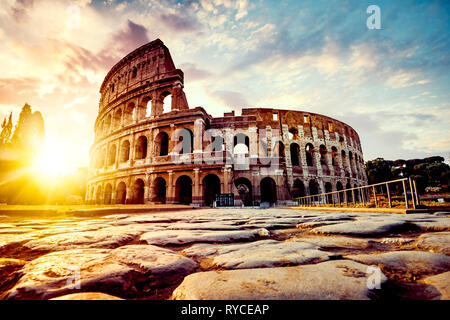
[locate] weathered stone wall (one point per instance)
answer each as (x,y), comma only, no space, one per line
(286,153)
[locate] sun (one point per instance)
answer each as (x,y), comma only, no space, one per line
(52,161)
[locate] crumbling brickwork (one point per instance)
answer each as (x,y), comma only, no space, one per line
(150,147)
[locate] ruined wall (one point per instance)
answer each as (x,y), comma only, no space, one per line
(283,153)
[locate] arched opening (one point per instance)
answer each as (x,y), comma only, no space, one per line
(313,188)
(98,195)
(350,160)
(117,118)
(218,144)
(241,138)
(148,103)
(349,192)
(108,194)
(187,140)
(167,100)
(329,188)
(162,144)
(323,155)
(278,151)
(100,158)
(338,188)
(268,190)
(129,113)
(125,151)
(107,125)
(141,148)
(134,73)
(295,152)
(183,190)
(112,155)
(121,193)
(244,188)
(298,189)
(293,134)
(309,155)
(334,152)
(356,192)
(138,192)
(160,190)
(211,187)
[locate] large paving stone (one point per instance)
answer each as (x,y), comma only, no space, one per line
(327,242)
(189,236)
(360,228)
(110,237)
(415,263)
(12,239)
(435,242)
(87,296)
(123,271)
(331,280)
(441,283)
(258,254)
(438,224)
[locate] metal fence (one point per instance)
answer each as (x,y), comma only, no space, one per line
(389,191)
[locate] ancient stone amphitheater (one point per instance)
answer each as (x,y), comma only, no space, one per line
(150,147)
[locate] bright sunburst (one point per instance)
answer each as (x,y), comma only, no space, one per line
(52,160)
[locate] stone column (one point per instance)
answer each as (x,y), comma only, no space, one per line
(170,188)
(197,197)
(198,140)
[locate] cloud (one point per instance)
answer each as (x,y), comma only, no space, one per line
(180,23)
(230,98)
(132,37)
(193,73)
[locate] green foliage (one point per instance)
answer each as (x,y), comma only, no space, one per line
(427,172)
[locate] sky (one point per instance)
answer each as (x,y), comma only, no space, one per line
(390,84)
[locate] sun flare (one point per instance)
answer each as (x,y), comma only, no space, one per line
(52,161)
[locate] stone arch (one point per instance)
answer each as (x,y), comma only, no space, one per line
(125,151)
(349,192)
(121,193)
(112,155)
(129,113)
(160,186)
(298,189)
(268,189)
(293,134)
(295,154)
(338,188)
(244,188)
(167,101)
(211,187)
(141,148)
(278,150)
(162,144)
(323,155)
(183,190)
(107,124)
(313,187)
(329,188)
(334,152)
(138,191)
(98,195)
(309,148)
(117,118)
(108,194)
(185,136)
(356,193)
(241,138)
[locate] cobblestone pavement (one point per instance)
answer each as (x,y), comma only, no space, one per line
(227,254)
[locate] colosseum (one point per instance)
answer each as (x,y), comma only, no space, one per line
(151,147)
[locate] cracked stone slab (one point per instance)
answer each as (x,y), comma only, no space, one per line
(442,224)
(258,254)
(435,242)
(122,271)
(104,238)
(408,262)
(328,242)
(360,228)
(188,236)
(331,280)
(12,239)
(441,283)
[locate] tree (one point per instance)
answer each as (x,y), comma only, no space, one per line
(378,170)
